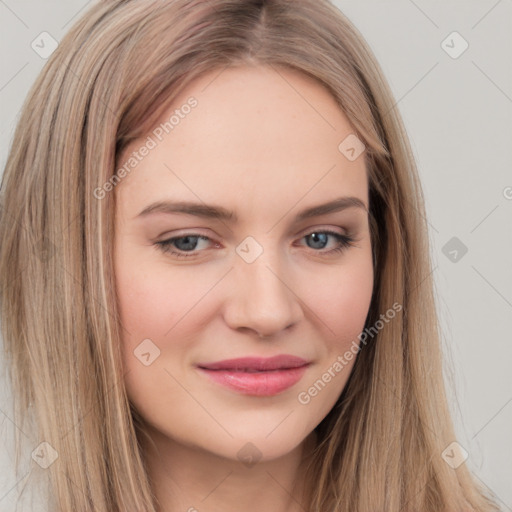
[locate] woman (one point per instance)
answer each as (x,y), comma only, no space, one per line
(213,374)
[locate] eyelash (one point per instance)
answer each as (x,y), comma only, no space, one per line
(344,240)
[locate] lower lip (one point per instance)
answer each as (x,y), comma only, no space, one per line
(267,383)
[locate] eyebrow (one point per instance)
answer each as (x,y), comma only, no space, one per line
(220,213)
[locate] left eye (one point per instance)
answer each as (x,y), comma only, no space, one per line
(188,243)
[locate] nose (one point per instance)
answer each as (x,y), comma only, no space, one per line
(262,299)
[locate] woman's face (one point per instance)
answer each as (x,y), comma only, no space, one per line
(263,281)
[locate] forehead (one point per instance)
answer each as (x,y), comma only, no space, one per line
(258,138)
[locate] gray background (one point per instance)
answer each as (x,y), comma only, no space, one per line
(458,113)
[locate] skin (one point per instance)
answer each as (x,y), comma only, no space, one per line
(263,143)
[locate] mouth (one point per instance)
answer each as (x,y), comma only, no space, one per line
(256,376)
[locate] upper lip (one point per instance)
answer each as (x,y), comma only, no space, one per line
(280,362)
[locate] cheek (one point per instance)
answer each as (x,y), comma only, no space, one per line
(340,300)
(155,306)
(154,303)
(164,305)
(340,304)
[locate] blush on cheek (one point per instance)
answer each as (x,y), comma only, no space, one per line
(341,304)
(167,309)
(149,300)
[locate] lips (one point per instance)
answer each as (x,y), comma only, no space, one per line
(257,376)
(257,364)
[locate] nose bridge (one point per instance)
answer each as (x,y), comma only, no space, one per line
(262,299)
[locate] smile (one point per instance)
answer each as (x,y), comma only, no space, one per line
(257,376)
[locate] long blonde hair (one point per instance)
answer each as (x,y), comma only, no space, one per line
(109,81)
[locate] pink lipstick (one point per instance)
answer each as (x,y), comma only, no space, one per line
(255,375)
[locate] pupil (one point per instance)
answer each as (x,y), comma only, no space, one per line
(188,245)
(319,236)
